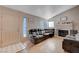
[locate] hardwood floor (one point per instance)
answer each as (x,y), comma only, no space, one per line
(51,45)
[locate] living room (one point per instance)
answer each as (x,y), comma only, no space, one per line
(39,29)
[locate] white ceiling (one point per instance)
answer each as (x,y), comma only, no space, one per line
(44,11)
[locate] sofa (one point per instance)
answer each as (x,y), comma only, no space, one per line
(39,35)
(71,44)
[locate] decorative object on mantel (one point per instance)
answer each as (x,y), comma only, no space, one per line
(66,22)
(63,18)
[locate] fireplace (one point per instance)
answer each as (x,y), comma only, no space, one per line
(62,33)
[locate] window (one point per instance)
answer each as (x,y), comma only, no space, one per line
(24,27)
(51,24)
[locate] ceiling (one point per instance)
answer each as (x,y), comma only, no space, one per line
(44,11)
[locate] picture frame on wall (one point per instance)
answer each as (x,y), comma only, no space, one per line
(63,18)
